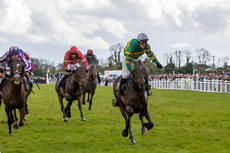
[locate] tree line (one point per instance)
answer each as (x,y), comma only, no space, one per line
(183,61)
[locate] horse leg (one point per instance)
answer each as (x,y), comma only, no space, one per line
(130,112)
(88,96)
(91,100)
(150,123)
(68,113)
(10,118)
(80,108)
(83,100)
(65,110)
(60,99)
(22,114)
(125,131)
(144,130)
(128,125)
(15,124)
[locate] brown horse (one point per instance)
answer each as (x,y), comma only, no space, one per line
(14,94)
(91,84)
(134,100)
(73,88)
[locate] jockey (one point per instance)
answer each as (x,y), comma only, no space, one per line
(29,74)
(90,57)
(71,62)
(133,50)
(13,53)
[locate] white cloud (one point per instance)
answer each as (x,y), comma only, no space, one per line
(181,13)
(181,45)
(2,39)
(99,24)
(114,27)
(15,17)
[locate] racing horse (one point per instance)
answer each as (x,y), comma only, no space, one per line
(134,99)
(14,94)
(91,84)
(73,87)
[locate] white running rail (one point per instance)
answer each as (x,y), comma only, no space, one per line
(185,84)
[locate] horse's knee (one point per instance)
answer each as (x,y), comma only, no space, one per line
(125,133)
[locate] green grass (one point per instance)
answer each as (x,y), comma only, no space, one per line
(185,122)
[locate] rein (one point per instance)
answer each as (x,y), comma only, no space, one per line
(4,76)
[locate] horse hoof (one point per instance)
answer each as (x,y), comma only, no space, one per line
(125,133)
(83,119)
(65,119)
(15,126)
(21,124)
(148,125)
(144,131)
(26,112)
(89,108)
(132,142)
(68,115)
(83,103)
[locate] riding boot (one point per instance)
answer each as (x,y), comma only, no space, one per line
(120,87)
(62,79)
(2,83)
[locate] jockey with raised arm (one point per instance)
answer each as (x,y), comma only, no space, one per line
(71,62)
(133,50)
(13,53)
(91,57)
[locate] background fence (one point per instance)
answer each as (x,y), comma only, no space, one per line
(182,84)
(196,85)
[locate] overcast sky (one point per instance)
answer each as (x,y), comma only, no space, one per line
(48,28)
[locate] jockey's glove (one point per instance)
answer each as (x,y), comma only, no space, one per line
(159,66)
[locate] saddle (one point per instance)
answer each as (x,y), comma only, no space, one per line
(125,85)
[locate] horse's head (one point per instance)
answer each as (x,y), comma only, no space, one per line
(17,70)
(80,77)
(139,73)
(93,71)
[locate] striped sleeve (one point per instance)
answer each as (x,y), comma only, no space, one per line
(128,56)
(151,55)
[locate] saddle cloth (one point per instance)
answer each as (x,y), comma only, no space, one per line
(59,77)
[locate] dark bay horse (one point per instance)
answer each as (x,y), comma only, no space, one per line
(91,84)
(134,100)
(73,89)
(14,94)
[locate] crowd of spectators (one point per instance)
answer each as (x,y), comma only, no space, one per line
(225,76)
